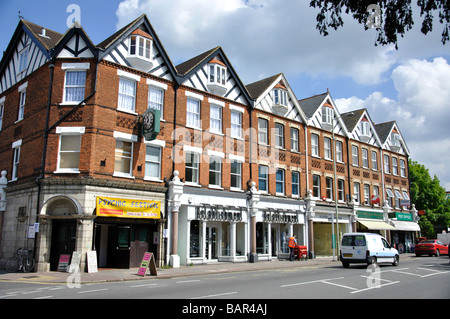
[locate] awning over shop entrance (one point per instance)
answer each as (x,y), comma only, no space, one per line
(376,225)
(406,226)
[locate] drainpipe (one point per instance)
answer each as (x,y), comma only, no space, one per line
(44,150)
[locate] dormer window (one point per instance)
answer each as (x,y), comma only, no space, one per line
(280,97)
(327,116)
(217,77)
(365,130)
(395,141)
(140,46)
(140,50)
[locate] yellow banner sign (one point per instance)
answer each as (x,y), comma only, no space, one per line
(128,208)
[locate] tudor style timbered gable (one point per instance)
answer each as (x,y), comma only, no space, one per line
(28,50)
(137,46)
(274,96)
(211,72)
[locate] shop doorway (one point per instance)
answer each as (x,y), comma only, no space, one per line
(211,242)
(63,240)
(123,245)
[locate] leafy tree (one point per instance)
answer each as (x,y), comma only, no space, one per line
(391,18)
(428,195)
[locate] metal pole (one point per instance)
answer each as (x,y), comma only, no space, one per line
(335,189)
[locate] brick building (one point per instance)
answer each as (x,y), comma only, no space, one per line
(230,173)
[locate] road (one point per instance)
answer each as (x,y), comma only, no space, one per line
(421,277)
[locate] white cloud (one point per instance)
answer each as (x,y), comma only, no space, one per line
(421,111)
(263,37)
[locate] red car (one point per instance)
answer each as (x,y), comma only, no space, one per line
(431,247)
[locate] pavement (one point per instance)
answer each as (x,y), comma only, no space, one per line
(113,275)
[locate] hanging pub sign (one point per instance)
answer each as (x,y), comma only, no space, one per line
(150,125)
(127,208)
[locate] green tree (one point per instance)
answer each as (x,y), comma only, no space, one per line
(392,18)
(428,195)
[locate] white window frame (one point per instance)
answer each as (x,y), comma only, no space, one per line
(120,107)
(356,192)
(402,165)
(127,138)
(22,100)
(16,146)
(297,174)
(196,154)
(263,132)
(217,127)
(366,194)
(394,166)
(156,105)
(279,135)
(217,74)
(263,174)
(339,156)
(147,47)
(327,148)
(365,157)
(23,59)
(280,97)
(152,162)
(236,127)
(281,182)
(2,110)
(364,128)
(341,189)
(316,186)
(387,169)
(374,161)
(315,145)
(74,67)
(355,155)
(238,175)
(294,139)
(327,115)
(217,173)
(65,131)
(329,188)
(196,123)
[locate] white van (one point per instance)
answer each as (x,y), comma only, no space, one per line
(366,248)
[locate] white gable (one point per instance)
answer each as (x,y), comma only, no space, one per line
(26,58)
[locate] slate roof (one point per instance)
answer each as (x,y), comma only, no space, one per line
(311,104)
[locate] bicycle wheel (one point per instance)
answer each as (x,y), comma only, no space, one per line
(28,264)
(12,264)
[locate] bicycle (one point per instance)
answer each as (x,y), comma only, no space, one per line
(22,261)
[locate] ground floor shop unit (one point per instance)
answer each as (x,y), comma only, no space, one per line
(64,215)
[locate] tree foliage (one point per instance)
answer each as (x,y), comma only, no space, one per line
(395,16)
(428,195)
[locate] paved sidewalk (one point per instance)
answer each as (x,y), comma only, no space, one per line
(111,275)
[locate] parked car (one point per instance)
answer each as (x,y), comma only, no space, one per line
(431,247)
(366,248)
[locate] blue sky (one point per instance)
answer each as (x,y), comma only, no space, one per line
(265,37)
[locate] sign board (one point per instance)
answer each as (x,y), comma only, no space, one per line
(128,208)
(92,261)
(75,262)
(63,262)
(148,261)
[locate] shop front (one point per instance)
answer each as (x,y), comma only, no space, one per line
(374,222)
(326,226)
(406,231)
(214,233)
(125,229)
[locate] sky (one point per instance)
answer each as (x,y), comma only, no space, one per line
(262,38)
